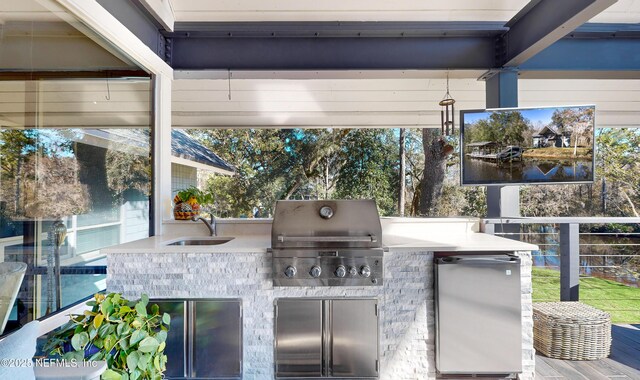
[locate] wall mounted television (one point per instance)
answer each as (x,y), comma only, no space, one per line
(523,146)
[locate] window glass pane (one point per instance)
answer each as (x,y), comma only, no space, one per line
(272,164)
(615,191)
(74,159)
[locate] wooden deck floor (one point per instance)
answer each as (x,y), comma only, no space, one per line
(623,364)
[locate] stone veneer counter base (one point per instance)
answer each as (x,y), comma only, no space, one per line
(406,300)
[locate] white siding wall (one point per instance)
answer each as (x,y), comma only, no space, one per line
(182,177)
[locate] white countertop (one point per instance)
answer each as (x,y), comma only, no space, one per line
(442,242)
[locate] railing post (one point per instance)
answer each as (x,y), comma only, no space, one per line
(569,262)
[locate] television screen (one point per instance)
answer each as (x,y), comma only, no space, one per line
(527,145)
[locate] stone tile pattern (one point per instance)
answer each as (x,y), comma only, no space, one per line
(405,302)
(528,352)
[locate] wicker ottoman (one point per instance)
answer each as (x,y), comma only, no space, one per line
(571,330)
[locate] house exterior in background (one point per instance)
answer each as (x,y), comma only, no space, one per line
(548,137)
(190,160)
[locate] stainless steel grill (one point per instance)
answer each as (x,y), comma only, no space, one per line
(327,243)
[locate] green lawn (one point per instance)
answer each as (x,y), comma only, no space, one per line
(621,301)
(557,153)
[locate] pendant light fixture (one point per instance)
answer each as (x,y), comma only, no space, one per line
(447,112)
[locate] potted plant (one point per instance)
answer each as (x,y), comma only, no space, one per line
(188,202)
(129,335)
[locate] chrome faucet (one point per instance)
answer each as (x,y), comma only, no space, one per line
(211,225)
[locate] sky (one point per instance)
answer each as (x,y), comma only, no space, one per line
(535,115)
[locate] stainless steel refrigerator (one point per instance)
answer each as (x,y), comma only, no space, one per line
(478,314)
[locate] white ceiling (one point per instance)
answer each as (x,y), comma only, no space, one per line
(316,99)
(385,99)
(381,102)
(40,35)
(28,10)
(76,103)
(624,11)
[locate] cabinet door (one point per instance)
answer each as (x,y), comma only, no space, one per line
(175,349)
(298,338)
(354,338)
(217,339)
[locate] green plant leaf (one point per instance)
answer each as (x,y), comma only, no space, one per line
(132,360)
(93,332)
(136,324)
(106,307)
(74,355)
(103,331)
(124,309)
(163,362)
(121,328)
(136,374)
(155,309)
(144,361)
(161,336)
(111,375)
(141,309)
(156,363)
(116,298)
(166,318)
(109,342)
(162,346)
(144,299)
(137,336)
(79,341)
(148,344)
(97,320)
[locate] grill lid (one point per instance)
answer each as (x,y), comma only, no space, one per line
(326,224)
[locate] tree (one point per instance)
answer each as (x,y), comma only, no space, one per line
(52,188)
(576,122)
(511,126)
(618,158)
(369,168)
(402,171)
(128,167)
(434,170)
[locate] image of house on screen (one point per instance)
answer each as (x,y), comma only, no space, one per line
(548,137)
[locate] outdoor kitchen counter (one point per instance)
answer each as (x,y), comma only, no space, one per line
(242,269)
(442,242)
(158,244)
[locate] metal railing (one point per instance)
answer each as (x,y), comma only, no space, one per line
(569,242)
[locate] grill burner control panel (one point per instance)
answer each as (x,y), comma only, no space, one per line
(323,271)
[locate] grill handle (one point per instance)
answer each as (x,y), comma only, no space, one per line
(338,239)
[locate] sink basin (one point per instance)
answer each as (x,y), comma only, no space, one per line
(202,241)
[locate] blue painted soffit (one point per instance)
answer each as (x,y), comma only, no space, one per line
(184,146)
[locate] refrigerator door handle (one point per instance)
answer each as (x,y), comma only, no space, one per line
(479,260)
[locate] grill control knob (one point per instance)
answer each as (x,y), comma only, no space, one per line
(341,271)
(365,271)
(290,271)
(353,271)
(315,271)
